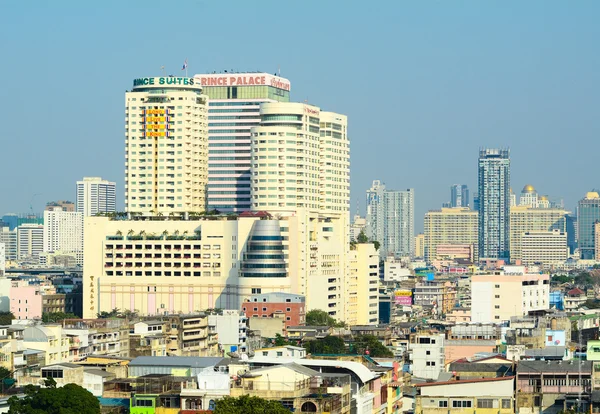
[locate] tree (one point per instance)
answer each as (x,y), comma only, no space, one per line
(5,373)
(70,399)
(560,279)
(281,341)
(6,318)
(328,345)
(317,317)
(248,405)
(591,304)
(53,317)
(364,343)
(362,237)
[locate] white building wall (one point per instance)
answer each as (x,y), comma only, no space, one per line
(30,241)
(95,195)
(428,359)
(63,231)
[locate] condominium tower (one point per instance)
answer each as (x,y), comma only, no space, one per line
(450,226)
(494,203)
(588,213)
(95,195)
(234,108)
(166,146)
(459,196)
(375,222)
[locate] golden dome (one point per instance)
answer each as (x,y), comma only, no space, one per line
(592,194)
(543,198)
(528,189)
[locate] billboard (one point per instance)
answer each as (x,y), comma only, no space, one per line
(403,297)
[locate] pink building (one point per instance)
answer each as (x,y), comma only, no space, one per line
(25,301)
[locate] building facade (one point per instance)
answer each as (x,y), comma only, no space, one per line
(450,226)
(30,241)
(399,222)
(290,307)
(544,247)
(166,146)
(234,108)
(362,295)
(375,219)
(588,213)
(8,237)
(525,219)
(494,203)
(63,231)
(495,298)
(95,195)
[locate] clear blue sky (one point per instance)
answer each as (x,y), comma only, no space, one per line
(424,84)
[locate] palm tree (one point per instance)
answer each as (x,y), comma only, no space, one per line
(130,233)
(165,234)
(143,234)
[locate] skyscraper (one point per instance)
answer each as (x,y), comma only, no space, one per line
(166,146)
(63,231)
(459,196)
(449,226)
(494,203)
(374,227)
(95,195)
(399,222)
(588,213)
(234,108)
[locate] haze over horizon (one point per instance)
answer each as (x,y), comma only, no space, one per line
(424,85)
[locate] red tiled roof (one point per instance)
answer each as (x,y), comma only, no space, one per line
(575,292)
(429,384)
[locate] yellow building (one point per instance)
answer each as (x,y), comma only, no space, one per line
(484,396)
(525,219)
(363,296)
(547,247)
(450,226)
(420,245)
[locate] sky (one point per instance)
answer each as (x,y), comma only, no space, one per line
(425,84)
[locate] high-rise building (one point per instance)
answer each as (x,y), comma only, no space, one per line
(95,195)
(2,259)
(529,197)
(9,239)
(30,241)
(234,108)
(450,226)
(166,146)
(375,222)
(494,203)
(420,245)
(544,247)
(399,222)
(459,196)
(524,219)
(300,170)
(63,231)
(363,295)
(588,213)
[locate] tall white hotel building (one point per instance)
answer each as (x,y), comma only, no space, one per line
(95,195)
(234,108)
(166,146)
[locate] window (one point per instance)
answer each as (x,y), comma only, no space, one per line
(279,353)
(461,404)
(485,403)
(497,286)
(506,403)
(430,363)
(443,404)
(497,296)
(52,373)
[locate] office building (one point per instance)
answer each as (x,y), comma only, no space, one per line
(588,213)
(63,232)
(544,247)
(300,172)
(524,219)
(459,196)
(450,226)
(30,241)
(95,195)
(399,222)
(166,130)
(61,205)
(234,108)
(9,239)
(495,298)
(375,219)
(494,203)
(2,259)
(363,291)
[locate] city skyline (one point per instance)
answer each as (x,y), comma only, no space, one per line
(513,86)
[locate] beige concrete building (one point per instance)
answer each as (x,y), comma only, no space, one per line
(597,239)
(167,266)
(544,247)
(525,219)
(450,226)
(166,146)
(362,294)
(511,292)
(420,245)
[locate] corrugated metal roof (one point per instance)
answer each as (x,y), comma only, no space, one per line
(175,361)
